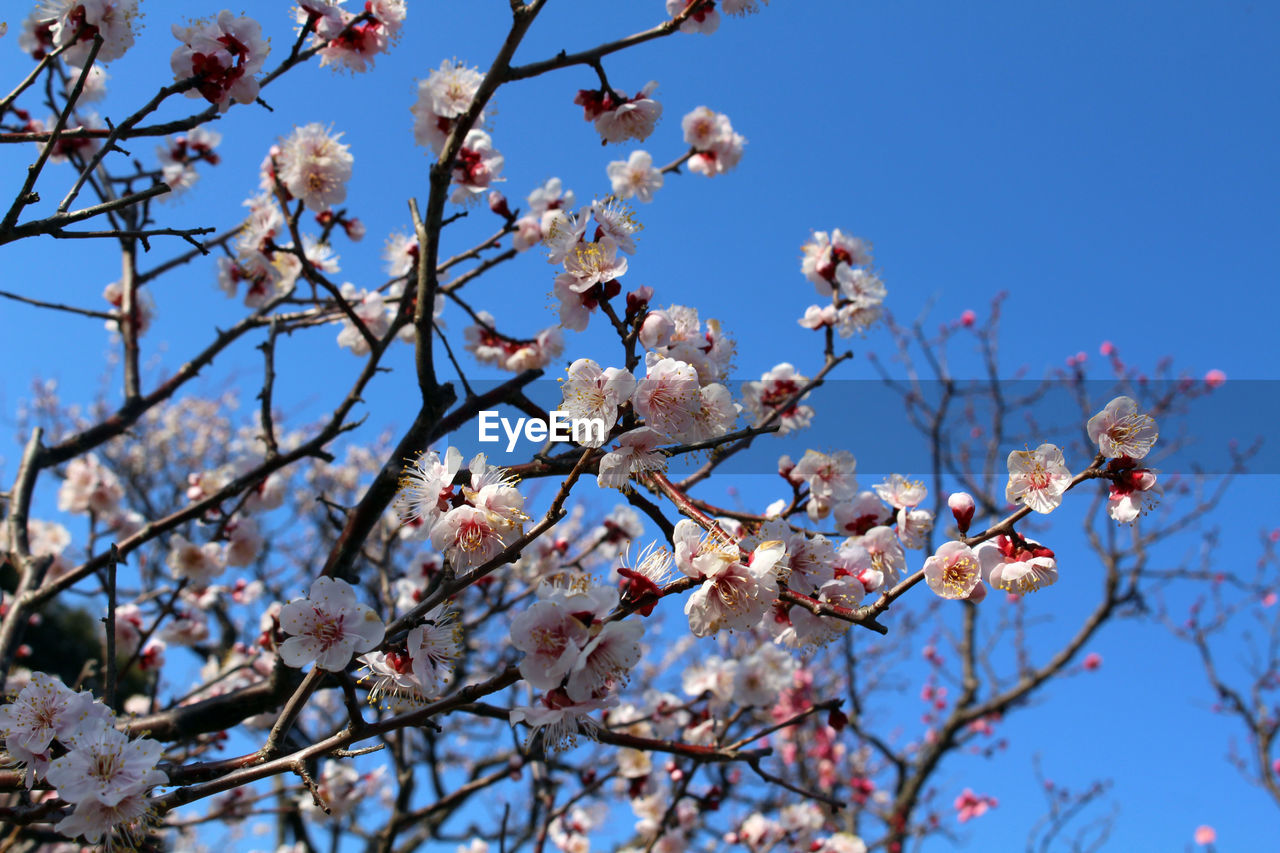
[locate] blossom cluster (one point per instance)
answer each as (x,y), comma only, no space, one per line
(443,96)
(72,25)
(575,653)
(349,39)
(717,148)
(1038,479)
(617,117)
(98,769)
(838,266)
(471,525)
(222,55)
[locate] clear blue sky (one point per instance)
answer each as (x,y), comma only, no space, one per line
(1114,166)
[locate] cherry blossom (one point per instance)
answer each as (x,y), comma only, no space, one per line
(646,577)
(328,626)
(1023,566)
(589,264)
(422,669)
(477,165)
(592,393)
(560,720)
(860,297)
(677,332)
(616,220)
(244,542)
(776,393)
(606,660)
(223,55)
(433,647)
(493,490)
(450,89)
(76,22)
(829,478)
(635,177)
(139,317)
(970,805)
(901,493)
(314,167)
(106,766)
(734,593)
(129,819)
(89,486)
(1121,430)
(623,119)
(825,254)
(717,148)
(665,396)
(953,571)
(342,788)
(1037,478)
(818,317)
(1134,491)
(426,487)
(913,526)
(179,155)
(705,19)
(45,710)
(635,453)
(490,347)
(354,46)
(199,564)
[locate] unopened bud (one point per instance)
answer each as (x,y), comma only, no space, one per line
(498,204)
(962,507)
(354,228)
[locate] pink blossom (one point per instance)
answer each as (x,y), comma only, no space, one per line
(635,453)
(630,118)
(107,767)
(476,167)
(314,167)
(1121,430)
(777,394)
(223,55)
(110,19)
(635,177)
(328,626)
(970,805)
(1205,835)
(953,571)
(1037,478)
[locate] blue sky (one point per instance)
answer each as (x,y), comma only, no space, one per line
(1113,166)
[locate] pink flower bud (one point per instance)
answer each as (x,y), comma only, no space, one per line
(1092,661)
(498,204)
(968,318)
(1107,349)
(354,228)
(1214,379)
(962,507)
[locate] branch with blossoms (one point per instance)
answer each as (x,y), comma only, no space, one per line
(263,576)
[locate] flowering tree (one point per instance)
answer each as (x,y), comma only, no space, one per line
(386,640)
